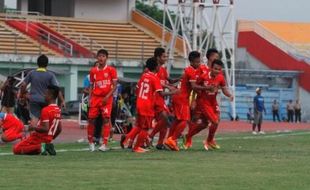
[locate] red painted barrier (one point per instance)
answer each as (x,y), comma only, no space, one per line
(273,57)
(40,33)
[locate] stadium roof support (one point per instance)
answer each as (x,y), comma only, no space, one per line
(203,24)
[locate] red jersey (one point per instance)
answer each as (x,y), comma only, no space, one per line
(147,86)
(185,87)
(162,74)
(9,121)
(202,69)
(102,79)
(207,80)
(52,115)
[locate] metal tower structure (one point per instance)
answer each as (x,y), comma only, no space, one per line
(202,24)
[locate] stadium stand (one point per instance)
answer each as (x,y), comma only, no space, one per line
(123,40)
(14,42)
(267,42)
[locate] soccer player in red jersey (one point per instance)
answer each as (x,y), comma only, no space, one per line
(47,129)
(12,127)
(161,109)
(103,80)
(211,55)
(180,101)
(147,87)
(208,106)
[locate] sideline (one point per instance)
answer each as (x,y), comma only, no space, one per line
(271,135)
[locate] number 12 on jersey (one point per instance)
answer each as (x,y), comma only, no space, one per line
(144,89)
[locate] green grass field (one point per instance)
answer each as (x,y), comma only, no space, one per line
(272,161)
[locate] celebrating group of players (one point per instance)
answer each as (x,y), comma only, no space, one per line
(193,101)
(193,104)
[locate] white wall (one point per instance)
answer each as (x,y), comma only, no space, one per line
(22,5)
(305,106)
(116,10)
(63,8)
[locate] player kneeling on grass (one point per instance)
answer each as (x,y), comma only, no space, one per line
(12,127)
(47,129)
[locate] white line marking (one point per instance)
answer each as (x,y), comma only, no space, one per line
(219,139)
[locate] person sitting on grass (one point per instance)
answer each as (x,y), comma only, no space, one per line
(12,127)
(47,129)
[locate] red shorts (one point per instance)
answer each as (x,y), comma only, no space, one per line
(29,145)
(181,110)
(161,108)
(144,122)
(14,133)
(211,113)
(96,107)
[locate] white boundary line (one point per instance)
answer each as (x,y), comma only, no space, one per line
(219,139)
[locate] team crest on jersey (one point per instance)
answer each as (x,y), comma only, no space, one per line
(105,75)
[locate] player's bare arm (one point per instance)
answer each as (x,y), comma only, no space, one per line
(42,128)
(227,93)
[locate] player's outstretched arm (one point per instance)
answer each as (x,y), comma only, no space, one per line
(227,93)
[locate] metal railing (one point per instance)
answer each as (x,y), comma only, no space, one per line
(42,34)
(17,38)
(57,26)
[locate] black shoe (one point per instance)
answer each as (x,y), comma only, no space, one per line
(50,149)
(123,137)
(160,147)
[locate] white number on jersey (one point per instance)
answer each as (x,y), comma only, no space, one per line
(54,127)
(144,89)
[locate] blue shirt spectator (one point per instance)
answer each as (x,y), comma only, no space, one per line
(259,103)
(86,82)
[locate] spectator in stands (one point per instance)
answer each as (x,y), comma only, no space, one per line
(275,111)
(8,95)
(259,107)
(290,111)
(297,109)
(250,116)
(39,79)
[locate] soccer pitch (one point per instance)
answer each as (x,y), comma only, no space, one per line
(271,161)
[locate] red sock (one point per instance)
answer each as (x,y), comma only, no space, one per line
(158,127)
(172,128)
(90,132)
(212,131)
(141,138)
(198,128)
(132,134)
(179,129)
(191,128)
(162,135)
(106,133)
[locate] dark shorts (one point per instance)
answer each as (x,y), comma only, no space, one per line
(258,117)
(35,109)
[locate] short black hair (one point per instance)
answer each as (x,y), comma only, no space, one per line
(217,62)
(193,55)
(158,51)
(54,90)
(42,61)
(210,52)
(103,51)
(151,64)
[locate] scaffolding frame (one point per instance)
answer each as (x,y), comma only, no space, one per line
(202,24)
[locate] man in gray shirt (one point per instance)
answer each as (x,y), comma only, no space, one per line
(275,110)
(39,79)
